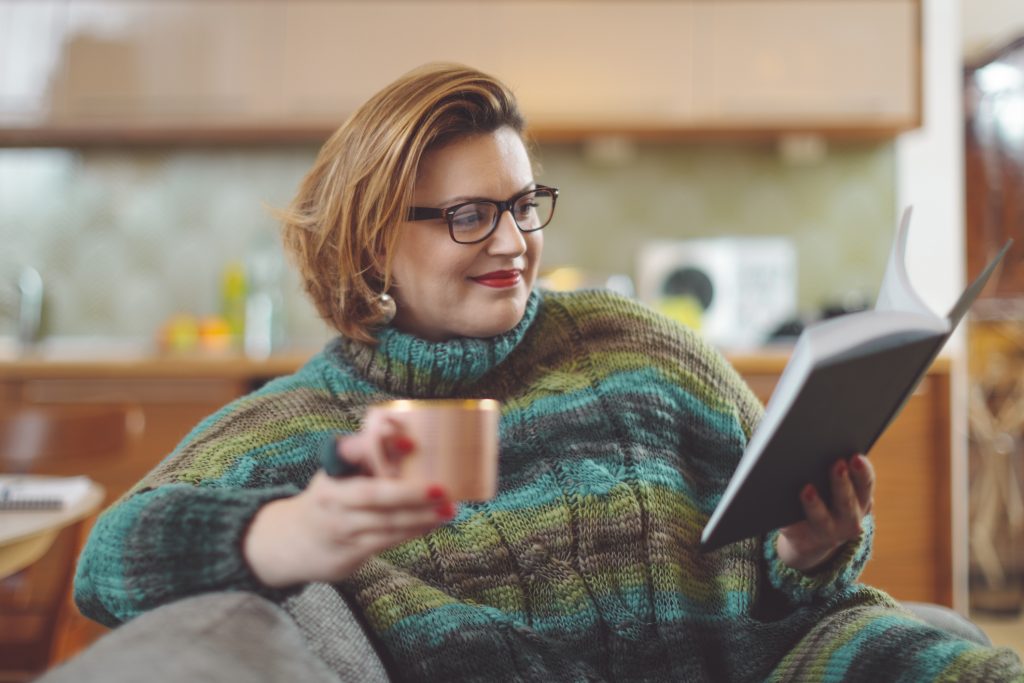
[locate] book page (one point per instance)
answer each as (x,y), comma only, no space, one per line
(896,292)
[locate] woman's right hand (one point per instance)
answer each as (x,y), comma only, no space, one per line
(326,532)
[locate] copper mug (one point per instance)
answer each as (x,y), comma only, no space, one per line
(455,443)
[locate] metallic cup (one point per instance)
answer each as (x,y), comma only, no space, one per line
(456,443)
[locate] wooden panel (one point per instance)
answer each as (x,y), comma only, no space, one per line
(166,410)
(913,553)
(799,61)
(912,558)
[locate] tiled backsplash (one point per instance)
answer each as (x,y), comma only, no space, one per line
(125,238)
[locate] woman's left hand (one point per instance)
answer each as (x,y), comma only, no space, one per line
(808,544)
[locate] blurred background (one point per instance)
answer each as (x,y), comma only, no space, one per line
(739,164)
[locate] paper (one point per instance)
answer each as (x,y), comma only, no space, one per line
(42,493)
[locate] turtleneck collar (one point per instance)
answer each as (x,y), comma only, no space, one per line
(406,365)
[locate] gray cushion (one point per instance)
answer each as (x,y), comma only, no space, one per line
(335,634)
(215,637)
(948,620)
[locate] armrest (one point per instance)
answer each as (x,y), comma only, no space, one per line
(948,620)
(212,637)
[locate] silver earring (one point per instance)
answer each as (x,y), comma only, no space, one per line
(387,307)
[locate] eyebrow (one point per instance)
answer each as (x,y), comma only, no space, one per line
(470,198)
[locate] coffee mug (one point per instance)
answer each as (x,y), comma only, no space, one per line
(455,443)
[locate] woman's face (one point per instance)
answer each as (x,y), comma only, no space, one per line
(444,289)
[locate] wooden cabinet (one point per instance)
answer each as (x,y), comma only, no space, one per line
(232,70)
(168,398)
(913,547)
(167,409)
(792,62)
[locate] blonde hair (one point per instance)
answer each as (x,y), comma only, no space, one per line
(342,226)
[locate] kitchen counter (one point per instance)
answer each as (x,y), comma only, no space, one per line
(230,366)
(769,361)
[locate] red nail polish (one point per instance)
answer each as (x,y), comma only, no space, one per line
(840,469)
(446,510)
(435,492)
(809,494)
(404,444)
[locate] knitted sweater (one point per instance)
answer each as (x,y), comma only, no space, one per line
(619,431)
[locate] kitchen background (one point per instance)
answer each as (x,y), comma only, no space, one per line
(137,179)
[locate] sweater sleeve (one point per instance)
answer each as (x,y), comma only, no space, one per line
(838,573)
(167,543)
(180,531)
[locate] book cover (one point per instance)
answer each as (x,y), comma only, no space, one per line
(846,380)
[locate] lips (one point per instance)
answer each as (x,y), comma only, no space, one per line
(499,278)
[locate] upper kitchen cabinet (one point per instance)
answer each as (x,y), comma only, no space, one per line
(115,70)
(831,64)
(75,71)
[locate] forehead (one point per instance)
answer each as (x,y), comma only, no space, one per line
(478,165)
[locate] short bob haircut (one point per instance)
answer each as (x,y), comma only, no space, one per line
(342,226)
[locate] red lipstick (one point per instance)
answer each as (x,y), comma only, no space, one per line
(499,278)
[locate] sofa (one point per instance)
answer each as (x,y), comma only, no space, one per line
(243,637)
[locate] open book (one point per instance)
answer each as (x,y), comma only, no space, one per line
(846,380)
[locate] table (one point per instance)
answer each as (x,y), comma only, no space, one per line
(26,535)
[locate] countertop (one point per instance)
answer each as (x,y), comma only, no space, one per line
(764,361)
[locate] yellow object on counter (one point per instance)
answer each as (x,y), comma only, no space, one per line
(233,291)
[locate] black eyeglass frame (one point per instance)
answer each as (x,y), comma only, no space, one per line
(423,213)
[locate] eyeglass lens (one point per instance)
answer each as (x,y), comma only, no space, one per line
(473,222)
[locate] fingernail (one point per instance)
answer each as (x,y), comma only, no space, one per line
(809,494)
(404,444)
(840,469)
(857,463)
(446,510)
(435,492)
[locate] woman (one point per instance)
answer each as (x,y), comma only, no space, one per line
(418,235)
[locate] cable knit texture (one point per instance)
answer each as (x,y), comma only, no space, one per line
(619,431)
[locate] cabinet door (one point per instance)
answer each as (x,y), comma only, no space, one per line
(167,63)
(598,64)
(337,54)
(170,408)
(791,62)
(913,550)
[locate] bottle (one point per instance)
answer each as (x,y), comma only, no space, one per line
(233,290)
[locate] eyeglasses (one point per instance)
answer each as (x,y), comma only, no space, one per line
(473,222)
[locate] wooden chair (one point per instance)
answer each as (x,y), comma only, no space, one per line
(37,617)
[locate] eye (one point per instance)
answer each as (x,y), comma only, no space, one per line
(526,206)
(468,218)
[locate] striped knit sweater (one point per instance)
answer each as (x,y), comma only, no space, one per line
(619,430)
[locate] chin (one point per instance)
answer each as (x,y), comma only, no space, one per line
(493,325)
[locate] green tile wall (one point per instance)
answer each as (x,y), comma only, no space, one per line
(125,238)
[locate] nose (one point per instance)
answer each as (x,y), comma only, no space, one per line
(507,238)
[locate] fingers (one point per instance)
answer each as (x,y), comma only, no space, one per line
(863,476)
(378,448)
(406,523)
(819,519)
(846,508)
(374,493)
